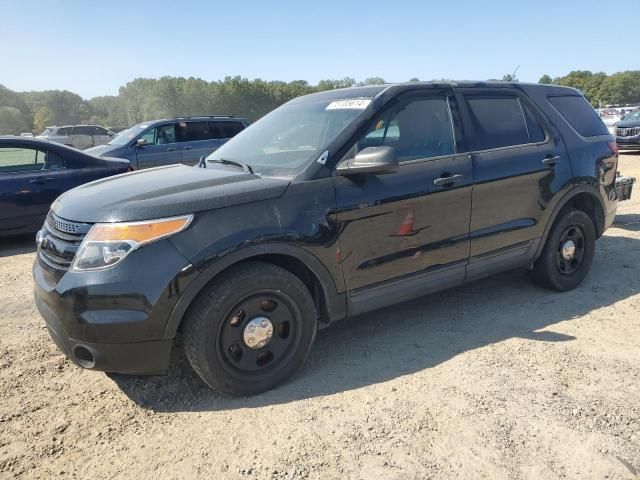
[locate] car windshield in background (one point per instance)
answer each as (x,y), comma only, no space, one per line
(127,135)
(283,142)
(633,116)
(47,131)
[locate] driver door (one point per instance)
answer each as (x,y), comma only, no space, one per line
(405,233)
(162,147)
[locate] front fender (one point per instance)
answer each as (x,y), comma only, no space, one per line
(336,302)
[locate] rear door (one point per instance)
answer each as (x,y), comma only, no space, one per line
(81,137)
(519,165)
(227,129)
(30,180)
(162,147)
(196,140)
(409,226)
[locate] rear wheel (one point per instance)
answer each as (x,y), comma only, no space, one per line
(568,252)
(250,329)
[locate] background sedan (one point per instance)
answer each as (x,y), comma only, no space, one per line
(33,173)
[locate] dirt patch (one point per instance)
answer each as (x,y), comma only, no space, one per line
(496,379)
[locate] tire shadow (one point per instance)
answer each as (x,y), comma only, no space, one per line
(414,336)
(630,221)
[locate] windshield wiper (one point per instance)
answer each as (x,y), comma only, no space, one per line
(244,166)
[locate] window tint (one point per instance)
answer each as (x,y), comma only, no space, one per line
(536,133)
(82,131)
(225,129)
(418,129)
(194,131)
(20,159)
(98,131)
(497,122)
(582,117)
(64,131)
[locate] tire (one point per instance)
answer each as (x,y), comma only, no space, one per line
(557,269)
(229,315)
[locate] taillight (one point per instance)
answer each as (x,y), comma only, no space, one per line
(614,147)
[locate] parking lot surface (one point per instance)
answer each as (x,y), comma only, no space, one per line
(495,379)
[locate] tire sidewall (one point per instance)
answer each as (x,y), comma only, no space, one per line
(567,282)
(211,360)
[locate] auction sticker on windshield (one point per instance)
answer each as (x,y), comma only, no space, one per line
(350,104)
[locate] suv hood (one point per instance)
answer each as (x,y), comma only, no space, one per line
(164,192)
(627,123)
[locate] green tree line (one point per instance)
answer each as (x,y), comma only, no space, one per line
(145,99)
(622,88)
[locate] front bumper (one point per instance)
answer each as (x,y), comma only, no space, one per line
(114,320)
(144,358)
(628,142)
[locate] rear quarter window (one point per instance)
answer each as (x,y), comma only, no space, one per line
(581,116)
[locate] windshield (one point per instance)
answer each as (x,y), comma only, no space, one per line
(127,135)
(283,142)
(46,132)
(633,116)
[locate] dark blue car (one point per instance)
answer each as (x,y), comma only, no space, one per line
(33,173)
(165,142)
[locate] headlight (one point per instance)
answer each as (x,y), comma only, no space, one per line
(107,244)
(613,130)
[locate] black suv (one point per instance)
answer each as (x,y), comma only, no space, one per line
(334,204)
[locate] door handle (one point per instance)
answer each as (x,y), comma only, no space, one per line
(448,181)
(41,180)
(171,149)
(187,148)
(550,161)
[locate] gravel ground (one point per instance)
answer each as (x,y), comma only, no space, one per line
(496,379)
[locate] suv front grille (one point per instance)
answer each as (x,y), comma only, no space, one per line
(60,241)
(628,132)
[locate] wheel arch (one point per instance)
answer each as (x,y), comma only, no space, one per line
(330,303)
(585,198)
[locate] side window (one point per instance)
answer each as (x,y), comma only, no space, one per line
(149,136)
(196,131)
(52,161)
(160,135)
(580,115)
(536,133)
(63,132)
(418,129)
(20,159)
(97,131)
(225,129)
(497,122)
(82,131)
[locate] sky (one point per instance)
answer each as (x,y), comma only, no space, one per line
(93,47)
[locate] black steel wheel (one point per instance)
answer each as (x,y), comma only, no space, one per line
(568,252)
(250,329)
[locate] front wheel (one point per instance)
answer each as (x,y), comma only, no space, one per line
(568,252)
(250,329)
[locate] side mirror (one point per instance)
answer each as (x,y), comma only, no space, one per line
(141,142)
(376,160)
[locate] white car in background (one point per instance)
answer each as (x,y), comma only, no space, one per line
(77,136)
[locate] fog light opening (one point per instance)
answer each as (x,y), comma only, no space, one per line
(84,357)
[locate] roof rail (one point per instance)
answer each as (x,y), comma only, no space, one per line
(207,116)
